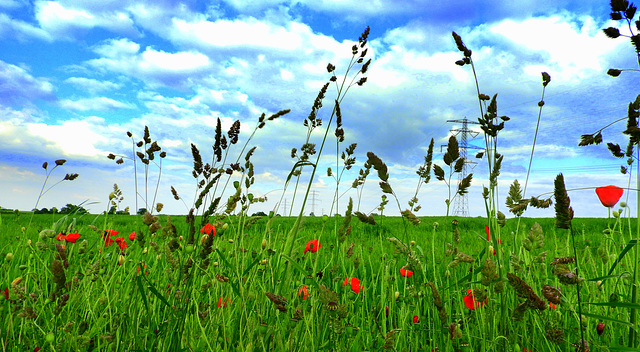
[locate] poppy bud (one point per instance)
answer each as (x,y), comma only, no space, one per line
(215,263)
(17,281)
(397,294)
(121,259)
(600,328)
(8,257)
(264,243)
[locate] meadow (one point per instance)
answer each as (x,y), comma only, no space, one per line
(221,279)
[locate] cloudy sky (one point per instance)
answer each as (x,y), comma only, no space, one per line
(76,76)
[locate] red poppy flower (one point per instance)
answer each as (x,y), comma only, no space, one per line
(552,306)
(470,302)
(312,246)
(302,292)
(415,319)
(108,242)
(525,350)
(222,303)
(609,195)
(354,282)
(110,232)
(405,273)
(5,293)
(36,349)
(60,236)
(486,228)
(72,237)
(208,229)
(132,236)
(121,243)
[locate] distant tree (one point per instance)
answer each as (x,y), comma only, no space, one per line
(70,208)
(54,210)
(112,210)
(312,214)
(142,211)
(260,213)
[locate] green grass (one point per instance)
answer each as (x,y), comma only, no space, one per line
(113,307)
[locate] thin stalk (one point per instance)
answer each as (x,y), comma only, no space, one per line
(575,254)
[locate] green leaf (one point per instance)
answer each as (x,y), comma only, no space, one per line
(626,249)
(298,164)
(602,317)
(141,289)
(298,266)
(617,305)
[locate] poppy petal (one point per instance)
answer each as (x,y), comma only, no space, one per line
(609,195)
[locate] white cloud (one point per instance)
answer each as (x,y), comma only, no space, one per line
(94,104)
(93,85)
(64,22)
(13,28)
(19,86)
(154,67)
(573,46)
(73,137)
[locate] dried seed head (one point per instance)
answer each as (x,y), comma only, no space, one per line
(44,165)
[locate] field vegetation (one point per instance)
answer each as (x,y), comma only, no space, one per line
(222,279)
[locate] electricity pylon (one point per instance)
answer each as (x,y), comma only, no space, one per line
(460,205)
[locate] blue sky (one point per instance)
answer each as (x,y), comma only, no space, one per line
(75,76)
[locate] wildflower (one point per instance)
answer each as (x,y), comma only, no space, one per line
(354,282)
(121,242)
(600,328)
(208,229)
(470,302)
(72,237)
(223,303)
(110,232)
(405,273)
(486,228)
(60,236)
(552,306)
(416,320)
(132,236)
(108,242)
(312,246)
(609,195)
(302,292)
(5,293)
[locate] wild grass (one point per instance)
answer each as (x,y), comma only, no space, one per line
(220,279)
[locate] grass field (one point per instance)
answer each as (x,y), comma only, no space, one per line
(106,303)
